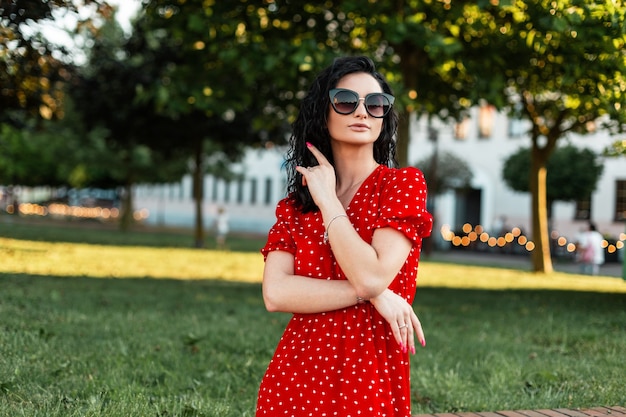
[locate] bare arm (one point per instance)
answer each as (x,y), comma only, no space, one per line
(287,292)
(370,268)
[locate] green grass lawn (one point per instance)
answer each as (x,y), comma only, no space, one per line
(92,231)
(170,331)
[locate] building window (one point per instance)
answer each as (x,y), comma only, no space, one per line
(253,191)
(240,184)
(516,128)
(620,200)
(461,129)
(268,191)
(227,192)
(485,120)
(213,190)
(583,209)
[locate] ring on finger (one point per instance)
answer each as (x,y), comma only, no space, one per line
(402,326)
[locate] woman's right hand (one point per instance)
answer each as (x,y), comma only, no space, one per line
(320,180)
(401,318)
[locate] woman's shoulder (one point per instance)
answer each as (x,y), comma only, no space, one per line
(286,203)
(288,206)
(409,175)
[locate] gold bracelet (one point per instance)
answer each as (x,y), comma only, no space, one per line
(331,222)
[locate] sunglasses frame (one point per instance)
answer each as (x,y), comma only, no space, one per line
(332,94)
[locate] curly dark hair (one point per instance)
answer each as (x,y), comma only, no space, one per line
(311,126)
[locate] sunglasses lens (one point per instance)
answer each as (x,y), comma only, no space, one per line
(377,104)
(345,102)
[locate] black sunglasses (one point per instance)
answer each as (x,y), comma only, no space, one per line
(346,101)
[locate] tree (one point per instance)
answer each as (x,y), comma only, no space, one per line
(54,154)
(444,172)
(32,69)
(38,146)
(419,46)
(573,173)
(258,58)
(105,93)
(233,78)
(560,65)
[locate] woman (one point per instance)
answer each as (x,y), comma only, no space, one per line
(343,255)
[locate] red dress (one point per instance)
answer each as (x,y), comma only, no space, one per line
(345,362)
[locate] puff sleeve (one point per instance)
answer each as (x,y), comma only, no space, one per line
(279,236)
(403,204)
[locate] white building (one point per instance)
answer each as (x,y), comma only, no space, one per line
(484,141)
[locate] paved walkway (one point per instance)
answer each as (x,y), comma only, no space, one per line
(614,411)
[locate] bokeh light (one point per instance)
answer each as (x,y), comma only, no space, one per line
(78,212)
(477,234)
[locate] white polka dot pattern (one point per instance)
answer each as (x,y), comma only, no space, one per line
(345,363)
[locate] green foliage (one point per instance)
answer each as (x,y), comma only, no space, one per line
(32,69)
(563,60)
(44,156)
(573,173)
(516,170)
(104,94)
(418,45)
(616,149)
(447,172)
(249,65)
(561,66)
(232,73)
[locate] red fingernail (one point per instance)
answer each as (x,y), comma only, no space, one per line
(423,342)
(413,350)
(308,144)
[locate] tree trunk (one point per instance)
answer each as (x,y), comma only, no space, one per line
(542,261)
(403,139)
(410,61)
(198,195)
(126,203)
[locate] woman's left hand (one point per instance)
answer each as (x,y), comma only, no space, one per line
(402,318)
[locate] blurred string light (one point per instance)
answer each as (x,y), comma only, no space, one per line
(63,210)
(477,233)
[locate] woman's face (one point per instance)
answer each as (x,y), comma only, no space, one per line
(357,127)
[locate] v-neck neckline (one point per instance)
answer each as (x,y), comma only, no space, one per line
(358,190)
